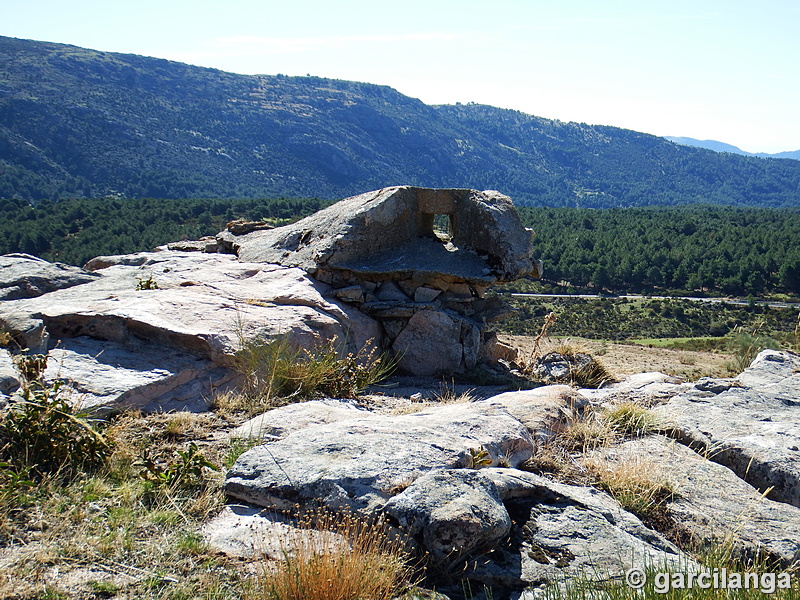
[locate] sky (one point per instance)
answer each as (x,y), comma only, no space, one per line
(725,70)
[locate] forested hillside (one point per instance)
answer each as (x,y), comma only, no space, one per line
(724,250)
(73,231)
(716,249)
(81,123)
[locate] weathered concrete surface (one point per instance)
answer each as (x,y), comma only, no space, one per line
(752,426)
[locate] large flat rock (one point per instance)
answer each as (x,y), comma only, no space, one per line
(750,424)
(391,230)
(357,463)
(103,376)
(713,506)
(182,334)
(26,276)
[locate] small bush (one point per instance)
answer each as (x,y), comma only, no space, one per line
(238,446)
(31,366)
(478,457)
(41,434)
(146,284)
(185,470)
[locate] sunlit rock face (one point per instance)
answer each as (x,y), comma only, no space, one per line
(418,260)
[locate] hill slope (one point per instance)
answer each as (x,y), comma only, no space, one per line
(76,122)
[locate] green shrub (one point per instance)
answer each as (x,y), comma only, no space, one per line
(185,470)
(41,434)
(146,284)
(275,369)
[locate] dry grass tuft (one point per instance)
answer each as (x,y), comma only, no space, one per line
(360,561)
(276,372)
(587,434)
(635,483)
(630,418)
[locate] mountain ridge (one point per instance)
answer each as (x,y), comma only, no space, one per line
(83,123)
(717,146)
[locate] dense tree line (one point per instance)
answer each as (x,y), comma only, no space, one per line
(689,249)
(73,231)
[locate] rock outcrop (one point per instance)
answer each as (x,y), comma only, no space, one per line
(712,505)
(750,424)
(170,346)
(389,233)
(379,251)
(508,528)
(420,471)
(26,276)
(158,330)
(357,463)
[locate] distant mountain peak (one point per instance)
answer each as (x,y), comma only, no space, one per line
(723,147)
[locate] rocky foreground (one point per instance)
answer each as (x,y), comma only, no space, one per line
(158,331)
(729,441)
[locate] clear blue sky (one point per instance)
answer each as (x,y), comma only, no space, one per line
(710,69)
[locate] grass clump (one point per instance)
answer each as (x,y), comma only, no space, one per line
(745,346)
(359,560)
(274,369)
(112,519)
(631,419)
(635,484)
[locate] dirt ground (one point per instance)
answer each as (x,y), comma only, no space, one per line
(625,359)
